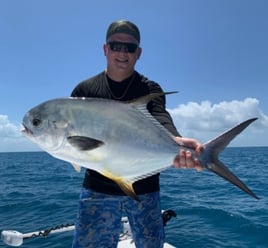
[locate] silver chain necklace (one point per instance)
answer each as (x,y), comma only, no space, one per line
(125,91)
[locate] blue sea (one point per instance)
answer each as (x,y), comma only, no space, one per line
(38,192)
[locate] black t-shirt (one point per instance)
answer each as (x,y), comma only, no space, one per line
(102,86)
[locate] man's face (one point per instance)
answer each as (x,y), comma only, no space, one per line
(121,53)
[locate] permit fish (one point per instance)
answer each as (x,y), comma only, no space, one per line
(120,140)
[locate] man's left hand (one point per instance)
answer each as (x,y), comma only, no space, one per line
(186,159)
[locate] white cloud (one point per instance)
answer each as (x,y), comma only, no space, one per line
(206,120)
(7,129)
(11,138)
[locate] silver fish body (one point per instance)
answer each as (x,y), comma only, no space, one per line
(122,141)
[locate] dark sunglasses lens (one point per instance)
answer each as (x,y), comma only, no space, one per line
(126,47)
(131,47)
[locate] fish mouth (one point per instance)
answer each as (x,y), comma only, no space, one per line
(25,130)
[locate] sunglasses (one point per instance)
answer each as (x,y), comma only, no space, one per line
(117,46)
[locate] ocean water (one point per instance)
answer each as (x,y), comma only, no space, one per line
(38,191)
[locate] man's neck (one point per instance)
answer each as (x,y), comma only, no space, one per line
(118,77)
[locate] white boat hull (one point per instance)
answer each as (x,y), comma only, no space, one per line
(128,243)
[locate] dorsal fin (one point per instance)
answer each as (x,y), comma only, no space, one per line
(141,105)
(143,100)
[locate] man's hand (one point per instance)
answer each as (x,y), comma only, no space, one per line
(185,159)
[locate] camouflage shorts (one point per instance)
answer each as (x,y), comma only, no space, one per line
(99,220)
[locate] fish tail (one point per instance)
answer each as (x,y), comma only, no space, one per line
(209,158)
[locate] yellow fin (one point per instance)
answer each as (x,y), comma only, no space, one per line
(76,167)
(126,186)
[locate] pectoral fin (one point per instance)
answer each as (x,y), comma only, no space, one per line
(84,143)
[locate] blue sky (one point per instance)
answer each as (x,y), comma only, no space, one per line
(214,52)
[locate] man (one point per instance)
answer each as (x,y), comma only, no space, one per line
(101,200)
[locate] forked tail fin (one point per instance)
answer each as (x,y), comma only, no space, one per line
(209,158)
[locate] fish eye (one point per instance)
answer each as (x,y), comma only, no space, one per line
(36,122)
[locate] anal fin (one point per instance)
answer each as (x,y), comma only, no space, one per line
(126,186)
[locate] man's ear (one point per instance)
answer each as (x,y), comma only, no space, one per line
(105,49)
(139,52)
